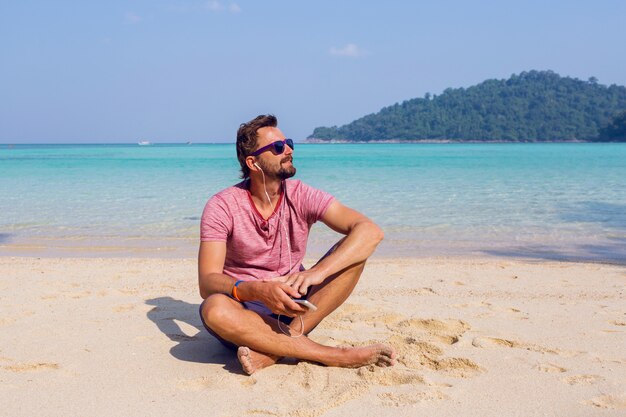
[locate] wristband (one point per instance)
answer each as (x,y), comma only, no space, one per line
(234,292)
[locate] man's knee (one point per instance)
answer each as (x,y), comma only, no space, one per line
(215,309)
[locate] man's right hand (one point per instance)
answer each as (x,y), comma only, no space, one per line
(277,296)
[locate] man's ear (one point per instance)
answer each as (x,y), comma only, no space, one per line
(250,161)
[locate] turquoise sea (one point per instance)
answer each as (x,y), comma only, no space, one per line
(540,201)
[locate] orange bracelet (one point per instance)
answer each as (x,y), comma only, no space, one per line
(234,292)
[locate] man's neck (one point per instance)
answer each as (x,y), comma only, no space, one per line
(257,191)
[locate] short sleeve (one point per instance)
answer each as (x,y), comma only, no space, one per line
(313,202)
(216,223)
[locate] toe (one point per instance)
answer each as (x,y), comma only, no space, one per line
(243,354)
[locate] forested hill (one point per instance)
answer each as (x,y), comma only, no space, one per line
(531,106)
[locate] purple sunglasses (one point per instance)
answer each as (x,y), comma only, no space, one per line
(279,147)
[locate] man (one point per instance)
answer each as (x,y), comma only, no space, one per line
(253,240)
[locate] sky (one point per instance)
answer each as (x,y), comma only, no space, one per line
(176,70)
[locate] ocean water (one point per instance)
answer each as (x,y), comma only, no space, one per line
(541,201)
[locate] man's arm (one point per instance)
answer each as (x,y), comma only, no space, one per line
(362,237)
(212,280)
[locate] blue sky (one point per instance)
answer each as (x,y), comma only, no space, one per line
(176,71)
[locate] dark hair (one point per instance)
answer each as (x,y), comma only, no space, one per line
(247,136)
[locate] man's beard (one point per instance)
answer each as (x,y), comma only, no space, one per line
(283,172)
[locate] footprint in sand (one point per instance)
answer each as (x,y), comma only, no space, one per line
(49,297)
(28,367)
(414,353)
(488,342)
(517,313)
(78,295)
(550,368)
(582,379)
(310,378)
(410,349)
(357,313)
(205,382)
(318,389)
(445,331)
(396,292)
(415,341)
(390,399)
(389,376)
(197,384)
(123,308)
(612,402)
(461,367)
(5,321)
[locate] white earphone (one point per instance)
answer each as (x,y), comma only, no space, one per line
(269,200)
(286,237)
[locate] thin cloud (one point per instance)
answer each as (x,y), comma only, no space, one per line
(350,50)
(218,6)
(131,17)
(214,6)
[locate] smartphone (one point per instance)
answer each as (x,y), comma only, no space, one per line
(305,303)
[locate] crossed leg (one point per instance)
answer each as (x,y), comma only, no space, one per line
(261,343)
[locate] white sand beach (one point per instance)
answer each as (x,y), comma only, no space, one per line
(475,337)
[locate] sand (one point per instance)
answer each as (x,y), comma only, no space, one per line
(475,337)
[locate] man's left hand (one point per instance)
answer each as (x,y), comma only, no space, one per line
(301,280)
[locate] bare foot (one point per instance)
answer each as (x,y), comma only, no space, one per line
(252,361)
(379,354)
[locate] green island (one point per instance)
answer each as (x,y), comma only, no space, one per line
(534,106)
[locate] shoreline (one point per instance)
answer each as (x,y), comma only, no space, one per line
(310,261)
(439,141)
(590,251)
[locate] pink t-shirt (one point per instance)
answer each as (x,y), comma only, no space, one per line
(257,248)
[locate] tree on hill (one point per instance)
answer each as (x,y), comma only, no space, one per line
(615,131)
(532,106)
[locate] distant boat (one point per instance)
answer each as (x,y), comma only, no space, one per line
(188,143)
(143,143)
